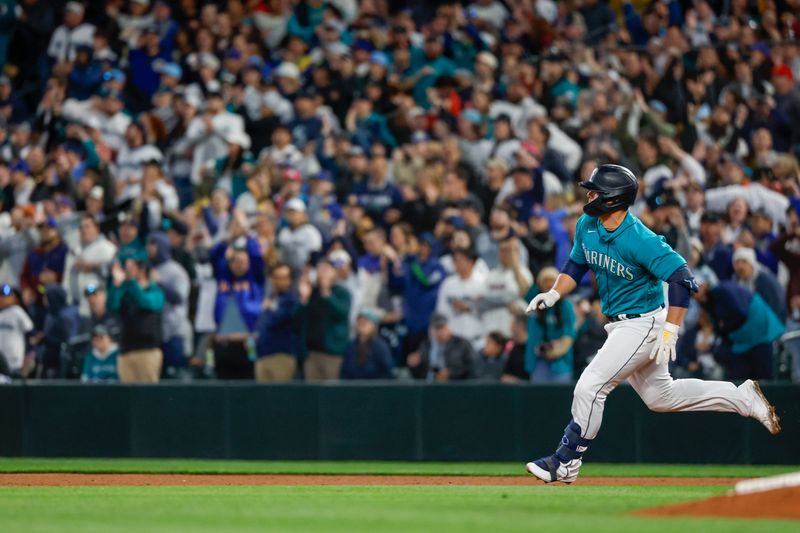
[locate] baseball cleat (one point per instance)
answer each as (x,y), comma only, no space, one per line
(550,469)
(760,408)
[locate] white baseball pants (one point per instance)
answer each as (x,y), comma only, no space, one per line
(626,355)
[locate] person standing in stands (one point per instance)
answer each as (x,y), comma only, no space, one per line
(325,310)
(140,302)
(174,282)
(238,305)
(277,332)
(367,356)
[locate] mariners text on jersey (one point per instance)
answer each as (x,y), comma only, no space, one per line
(607,262)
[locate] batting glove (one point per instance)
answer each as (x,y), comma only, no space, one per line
(664,349)
(543,301)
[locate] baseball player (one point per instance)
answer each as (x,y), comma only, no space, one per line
(630,262)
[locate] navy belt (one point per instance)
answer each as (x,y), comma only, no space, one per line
(628,317)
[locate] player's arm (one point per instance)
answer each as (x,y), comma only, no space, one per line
(565,283)
(681,285)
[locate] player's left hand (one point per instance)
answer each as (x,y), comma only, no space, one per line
(664,349)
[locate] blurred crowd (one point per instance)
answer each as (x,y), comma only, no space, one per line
(338,189)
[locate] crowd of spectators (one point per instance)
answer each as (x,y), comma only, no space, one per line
(338,189)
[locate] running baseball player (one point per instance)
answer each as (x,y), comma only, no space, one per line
(630,262)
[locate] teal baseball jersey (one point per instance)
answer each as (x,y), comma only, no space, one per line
(629,264)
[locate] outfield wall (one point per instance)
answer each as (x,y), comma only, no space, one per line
(471,422)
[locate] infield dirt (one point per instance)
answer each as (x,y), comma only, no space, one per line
(780,503)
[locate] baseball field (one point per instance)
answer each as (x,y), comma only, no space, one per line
(87,495)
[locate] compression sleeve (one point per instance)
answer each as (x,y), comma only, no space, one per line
(681,285)
(575,270)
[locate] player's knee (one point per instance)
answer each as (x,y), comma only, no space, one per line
(658,400)
(585,389)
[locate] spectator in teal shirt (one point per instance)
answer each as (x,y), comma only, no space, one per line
(100,364)
(427,67)
(551,333)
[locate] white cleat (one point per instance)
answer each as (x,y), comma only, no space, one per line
(760,408)
(550,469)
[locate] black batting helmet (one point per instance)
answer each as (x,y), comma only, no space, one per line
(617,187)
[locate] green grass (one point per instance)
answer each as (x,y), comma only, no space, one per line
(376,509)
(348,509)
(195,466)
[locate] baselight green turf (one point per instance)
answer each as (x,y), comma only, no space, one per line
(192,466)
(353,509)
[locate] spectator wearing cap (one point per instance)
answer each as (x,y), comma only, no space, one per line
(324,316)
(367,356)
(443,356)
(551,334)
(716,254)
(528,191)
(89,263)
(44,264)
(72,33)
(506,285)
(666,219)
(131,244)
(100,363)
(61,323)
(86,74)
(277,330)
(787,97)
(460,294)
(299,239)
(20,185)
(140,303)
(96,298)
(174,283)
(15,325)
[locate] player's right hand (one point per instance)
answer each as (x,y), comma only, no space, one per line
(543,301)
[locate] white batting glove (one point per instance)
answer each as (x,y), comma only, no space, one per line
(664,349)
(543,300)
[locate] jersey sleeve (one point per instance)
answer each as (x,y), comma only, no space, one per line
(576,254)
(657,257)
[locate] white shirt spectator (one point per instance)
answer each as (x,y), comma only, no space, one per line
(469,291)
(14,324)
(298,244)
(502,289)
(64,41)
(130,163)
(100,251)
(493,13)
